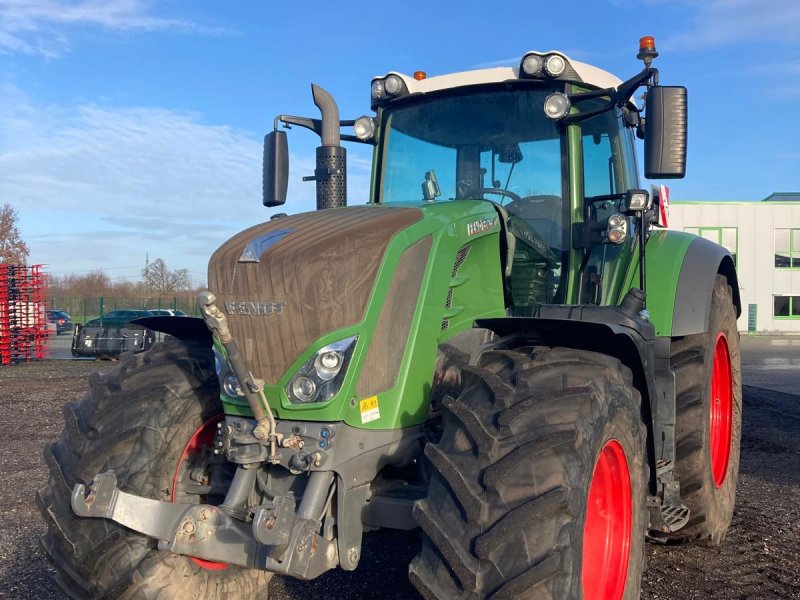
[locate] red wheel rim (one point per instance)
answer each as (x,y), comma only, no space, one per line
(721,417)
(607,532)
(204,436)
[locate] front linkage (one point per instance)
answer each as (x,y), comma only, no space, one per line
(285,534)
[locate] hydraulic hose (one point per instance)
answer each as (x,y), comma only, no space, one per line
(253,388)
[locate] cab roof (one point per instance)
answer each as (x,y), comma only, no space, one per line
(582,73)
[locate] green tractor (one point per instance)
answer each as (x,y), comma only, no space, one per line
(503,349)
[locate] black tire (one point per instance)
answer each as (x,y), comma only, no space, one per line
(692,360)
(507,503)
(137,420)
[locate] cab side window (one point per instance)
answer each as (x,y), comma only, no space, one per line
(609,165)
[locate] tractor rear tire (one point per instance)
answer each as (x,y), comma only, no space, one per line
(708,426)
(140,419)
(533,436)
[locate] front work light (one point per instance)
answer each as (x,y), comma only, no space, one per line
(385,89)
(365,127)
(393,85)
(322,375)
(557,105)
(545,66)
(532,64)
(555,65)
(636,200)
(377,89)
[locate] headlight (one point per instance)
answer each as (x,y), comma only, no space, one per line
(227,379)
(617,230)
(615,220)
(231,386)
(304,388)
(321,377)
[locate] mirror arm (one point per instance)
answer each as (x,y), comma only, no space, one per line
(578,117)
(315,125)
(648,76)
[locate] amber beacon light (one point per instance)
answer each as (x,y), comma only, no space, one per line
(647,49)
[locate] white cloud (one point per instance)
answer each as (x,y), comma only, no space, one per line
(39,26)
(721,22)
(96,185)
(149,159)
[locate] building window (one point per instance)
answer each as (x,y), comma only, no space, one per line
(727,237)
(787,248)
(787,307)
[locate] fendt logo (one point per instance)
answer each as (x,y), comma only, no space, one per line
(480,226)
(260,309)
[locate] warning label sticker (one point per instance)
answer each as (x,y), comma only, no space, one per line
(369,409)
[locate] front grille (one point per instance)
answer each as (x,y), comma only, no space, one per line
(461,256)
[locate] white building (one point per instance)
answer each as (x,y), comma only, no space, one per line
(764,238)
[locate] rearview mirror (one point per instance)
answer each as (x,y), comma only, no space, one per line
(665,132)
(275,178)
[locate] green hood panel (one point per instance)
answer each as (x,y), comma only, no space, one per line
(461,282)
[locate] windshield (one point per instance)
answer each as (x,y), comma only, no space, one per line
(494,140)
(496,145)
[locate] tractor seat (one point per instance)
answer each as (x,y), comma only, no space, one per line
(544,214)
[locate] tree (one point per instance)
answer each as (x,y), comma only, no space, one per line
(163,281)
(12,249)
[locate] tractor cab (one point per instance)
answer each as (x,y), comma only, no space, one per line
(550,143)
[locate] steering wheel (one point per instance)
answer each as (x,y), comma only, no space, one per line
(499,191)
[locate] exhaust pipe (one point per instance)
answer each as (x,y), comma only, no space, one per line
(331,168)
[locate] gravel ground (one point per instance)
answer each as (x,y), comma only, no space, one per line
(759,559)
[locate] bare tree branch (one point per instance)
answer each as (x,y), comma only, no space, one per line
(12,249)
(163,281)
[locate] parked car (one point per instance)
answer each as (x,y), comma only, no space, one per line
(118,318)
(110,342)
(60,319)
(167,312)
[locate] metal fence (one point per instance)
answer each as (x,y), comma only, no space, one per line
(82,309)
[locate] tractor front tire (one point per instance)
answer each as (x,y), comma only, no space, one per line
(538,485)
(145,419)
(708,424)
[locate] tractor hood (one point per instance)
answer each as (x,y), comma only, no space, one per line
(285,283)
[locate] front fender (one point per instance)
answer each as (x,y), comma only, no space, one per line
(681,269)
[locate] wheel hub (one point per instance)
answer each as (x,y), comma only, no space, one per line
(721,417)
(608,526)
(204,436)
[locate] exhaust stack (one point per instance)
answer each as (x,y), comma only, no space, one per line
(331,168)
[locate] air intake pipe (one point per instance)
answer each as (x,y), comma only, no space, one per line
(331,169)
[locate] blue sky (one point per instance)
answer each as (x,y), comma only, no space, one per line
(131,128)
